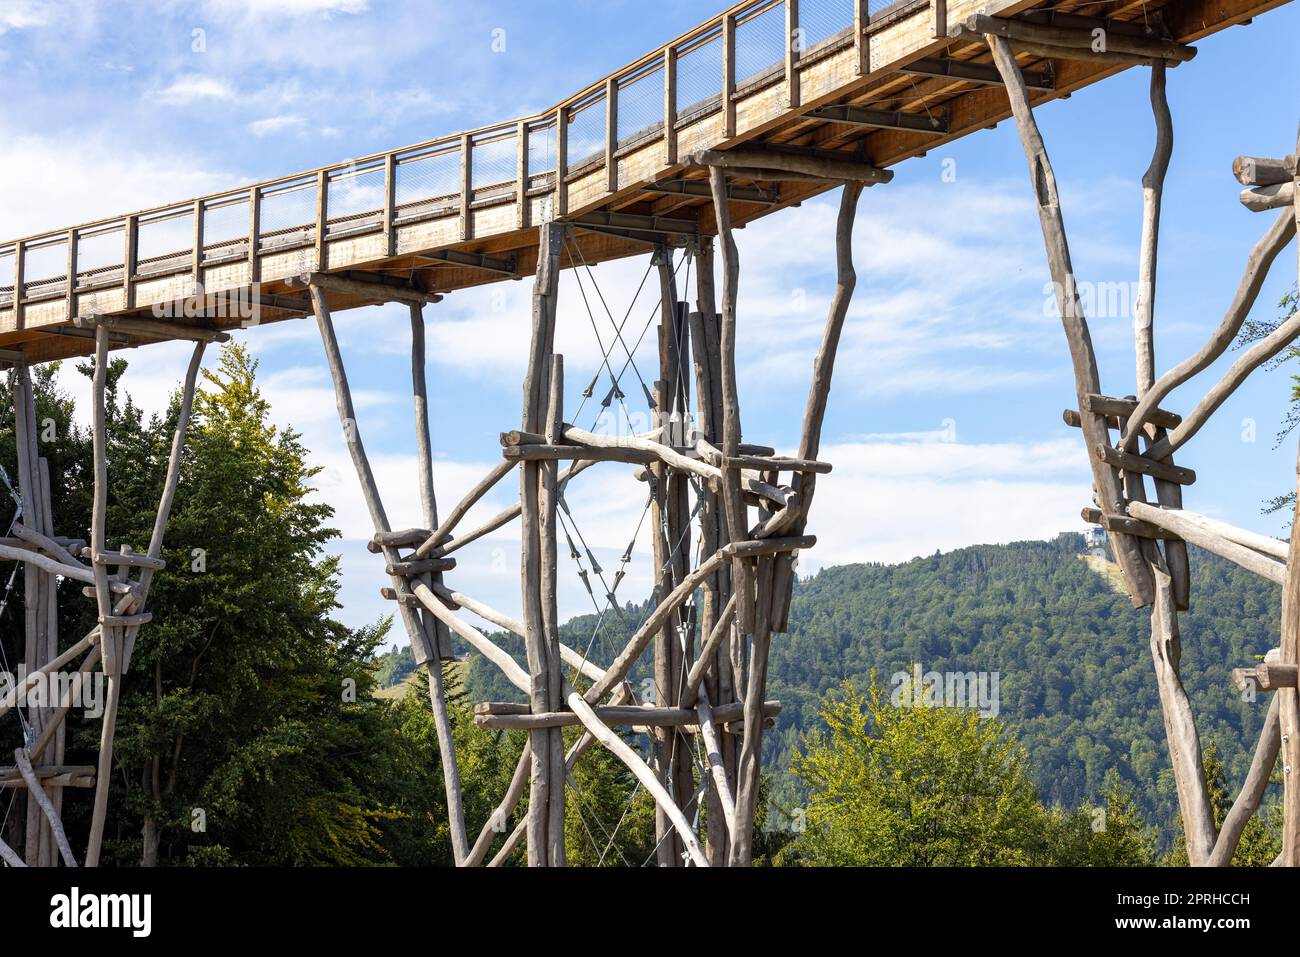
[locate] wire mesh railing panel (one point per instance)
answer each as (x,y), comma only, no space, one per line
(875,7)
(428,177)
(541,149)
(587,133)
(760,44)
(45,262)
(8,262)
(288,207)
(699,78)
(356,191)
(495,162)
(822,20)
(164,238)
(99,251)
(641,107)
(225,222)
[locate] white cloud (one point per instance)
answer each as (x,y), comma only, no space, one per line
(51,183)
(275,124)
(267,9)
(187,89)
(889,500)
(21,14)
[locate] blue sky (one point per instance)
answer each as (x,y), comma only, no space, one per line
(945,422)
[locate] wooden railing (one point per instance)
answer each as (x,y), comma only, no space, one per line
(531,164)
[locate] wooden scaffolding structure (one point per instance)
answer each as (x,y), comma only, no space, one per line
(1131,440)
(728,517)
(118,580)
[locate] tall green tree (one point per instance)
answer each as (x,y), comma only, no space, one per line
(919,786)
(248,723)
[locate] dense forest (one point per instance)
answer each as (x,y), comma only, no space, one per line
(1070,653)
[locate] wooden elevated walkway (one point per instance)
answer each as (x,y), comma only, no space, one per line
(866,86)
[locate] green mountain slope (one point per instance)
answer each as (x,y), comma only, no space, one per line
(1071,654)
(1073,658)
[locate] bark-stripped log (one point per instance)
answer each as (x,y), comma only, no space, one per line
(1109,493)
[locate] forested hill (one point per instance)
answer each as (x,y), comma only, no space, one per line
(1072,655)
(1073,658)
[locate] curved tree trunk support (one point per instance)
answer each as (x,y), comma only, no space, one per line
(441,643)
(424,644)
(1289,709)
(1106,481)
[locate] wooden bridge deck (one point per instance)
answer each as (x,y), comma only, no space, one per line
(873,85)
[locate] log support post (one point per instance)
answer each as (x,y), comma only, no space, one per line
(538,495)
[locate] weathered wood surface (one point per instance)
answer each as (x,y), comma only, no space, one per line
(468,239)
(1087,381)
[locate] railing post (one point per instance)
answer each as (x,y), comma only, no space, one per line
(670,106)
(466,185)
(20,250)
(72,274)
(861,42)
(254,227)
(561,162)
(728,76)
(196,256)
(323,220)
(939,28)
(611,135)
(390,203)
(793,47)
(521,177)
(129,262)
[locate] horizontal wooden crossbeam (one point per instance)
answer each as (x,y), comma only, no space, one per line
(1126,525)
(503,265)
(1103,43)
(152,328)
(633,222)
(1123,408)
(980,73)
(501,715)
(1263,171)
(700,188)
(1145,466)
(850,115)
(372,289)
(51,776)
(774,163)
(1266,676)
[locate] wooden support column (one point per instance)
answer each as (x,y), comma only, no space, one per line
(718,677)
(1109,493)
(1289,698)
(819,392)
(733,503)
(677,638)
(441,643)
(536,395)
(110,637)
(548,502)
(38,585)
(667,843)
(423,643)
(1169,494)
